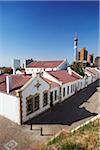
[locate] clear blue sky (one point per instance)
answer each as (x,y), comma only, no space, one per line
(45,30)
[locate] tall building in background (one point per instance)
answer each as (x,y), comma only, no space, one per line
(90,59)
(75,47)
(83,55)
(97,62)
(78,55)
(15,65)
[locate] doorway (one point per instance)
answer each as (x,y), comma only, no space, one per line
(51,99)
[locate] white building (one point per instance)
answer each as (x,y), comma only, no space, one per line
(69,82)
(92,74)
(23,97)
(20,71)
(37,66)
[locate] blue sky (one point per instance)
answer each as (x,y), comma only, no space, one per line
(45,30)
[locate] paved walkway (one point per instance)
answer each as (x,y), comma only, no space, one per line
(68,115)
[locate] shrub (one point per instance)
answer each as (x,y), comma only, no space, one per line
(71,146)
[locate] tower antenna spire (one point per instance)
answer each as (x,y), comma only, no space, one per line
(75,46)
(75,34)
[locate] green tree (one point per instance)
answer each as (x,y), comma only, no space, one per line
(78,67)
(8,70)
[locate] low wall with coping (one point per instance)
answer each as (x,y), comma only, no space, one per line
(88,121)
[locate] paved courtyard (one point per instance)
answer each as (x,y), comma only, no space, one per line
(68,115)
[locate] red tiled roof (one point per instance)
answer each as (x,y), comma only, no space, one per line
(2,77)
(45,64)
(76,75)
(63,76)
(92,71)
(52,83)
(17,82)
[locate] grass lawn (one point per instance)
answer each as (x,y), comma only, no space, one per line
(85,138)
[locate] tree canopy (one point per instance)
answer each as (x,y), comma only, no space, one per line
(78,67)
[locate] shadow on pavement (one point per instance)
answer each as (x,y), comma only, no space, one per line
(68,111)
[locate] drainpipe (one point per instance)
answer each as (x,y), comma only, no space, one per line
(19,94)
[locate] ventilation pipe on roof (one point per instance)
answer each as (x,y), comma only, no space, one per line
(25,73)
(39,74)
(34,74)
(14,70)
(8,83)
(69,71)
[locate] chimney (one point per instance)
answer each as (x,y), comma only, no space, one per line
(69,71)
(25,73)
(14,71)
(8,83)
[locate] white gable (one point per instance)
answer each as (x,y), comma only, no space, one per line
(32,89)
(36,86)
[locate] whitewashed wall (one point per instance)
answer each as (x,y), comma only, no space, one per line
(50,69)
(79,84)
(10,107)
(89,80)
(66,86)
(19,72)
(83,83)
(31,90)
(36,70)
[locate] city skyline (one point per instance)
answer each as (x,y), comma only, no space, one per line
(45,30)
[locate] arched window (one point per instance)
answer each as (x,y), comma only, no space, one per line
(45,98)
(36,102)
(29,104)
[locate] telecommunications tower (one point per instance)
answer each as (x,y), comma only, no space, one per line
(75,47)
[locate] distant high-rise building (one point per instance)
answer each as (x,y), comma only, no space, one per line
(83,55)
(78,55)
(76,47)
(90,59)
(97,62)
(15,65)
